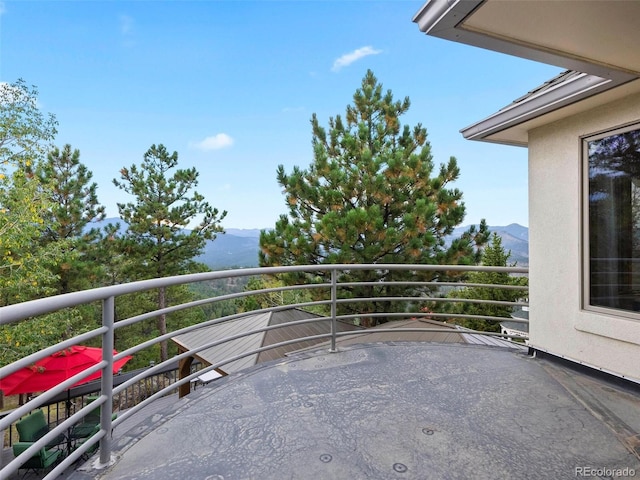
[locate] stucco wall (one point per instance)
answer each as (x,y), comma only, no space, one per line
(558,324)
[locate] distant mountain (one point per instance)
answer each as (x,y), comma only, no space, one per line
(239,247)
(232,250)
(244,232)
(235,248)
(515,238)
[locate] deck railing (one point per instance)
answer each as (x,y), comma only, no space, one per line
(59,407)
(333,298)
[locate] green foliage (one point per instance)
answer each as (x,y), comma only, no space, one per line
(73,195)
(25,134)
(28,268)
(166,202)
(25,265)
(136,304)
(46,205)
(107,255)
(164,206)
(218,288)
(493,255)
(371,196)
(27,337)
(278,298)
(74,204)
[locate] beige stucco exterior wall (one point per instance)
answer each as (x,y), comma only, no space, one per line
(558,323)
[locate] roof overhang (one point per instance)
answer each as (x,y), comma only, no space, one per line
(598,41)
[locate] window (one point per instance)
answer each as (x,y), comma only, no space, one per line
(612,217)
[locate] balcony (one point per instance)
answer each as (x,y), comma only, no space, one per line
(412,398)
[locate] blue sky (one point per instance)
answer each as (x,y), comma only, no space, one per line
(231,86)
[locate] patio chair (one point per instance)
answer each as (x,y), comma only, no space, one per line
(43,459)
(89,425)
(81,440)
(34,426)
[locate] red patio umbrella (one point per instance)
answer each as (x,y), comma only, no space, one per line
(56,368)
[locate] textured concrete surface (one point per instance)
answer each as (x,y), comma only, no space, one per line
(381,411)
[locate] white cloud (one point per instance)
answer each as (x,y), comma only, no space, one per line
(348,58)
(215,142)
(3,8)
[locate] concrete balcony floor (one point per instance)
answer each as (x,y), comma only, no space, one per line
(388,411)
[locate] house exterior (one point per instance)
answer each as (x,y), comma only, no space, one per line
(582,131)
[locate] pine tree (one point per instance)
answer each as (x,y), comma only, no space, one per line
(74,205)
(165,205)
(109,253)
(493,255)
(274,299)
(370,197)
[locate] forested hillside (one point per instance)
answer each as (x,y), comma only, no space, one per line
(239,248)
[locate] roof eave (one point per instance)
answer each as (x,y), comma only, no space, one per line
(445,19)
(439,18)
(551,100)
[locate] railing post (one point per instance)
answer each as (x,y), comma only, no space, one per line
(108,314)
(334,297)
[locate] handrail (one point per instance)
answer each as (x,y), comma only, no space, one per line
(13,313)
(107,295)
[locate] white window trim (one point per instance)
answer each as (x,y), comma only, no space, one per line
(584,247)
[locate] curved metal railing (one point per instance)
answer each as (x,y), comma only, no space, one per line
(107,331)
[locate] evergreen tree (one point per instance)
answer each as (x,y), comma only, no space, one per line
(109,254)
(165,204)
(370,197)
(275,299)
(26,266)
(74,205)
(494,255)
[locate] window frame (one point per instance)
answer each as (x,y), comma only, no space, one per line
(585,243)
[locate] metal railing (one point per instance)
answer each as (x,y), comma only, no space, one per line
(332,301)
(59,407)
